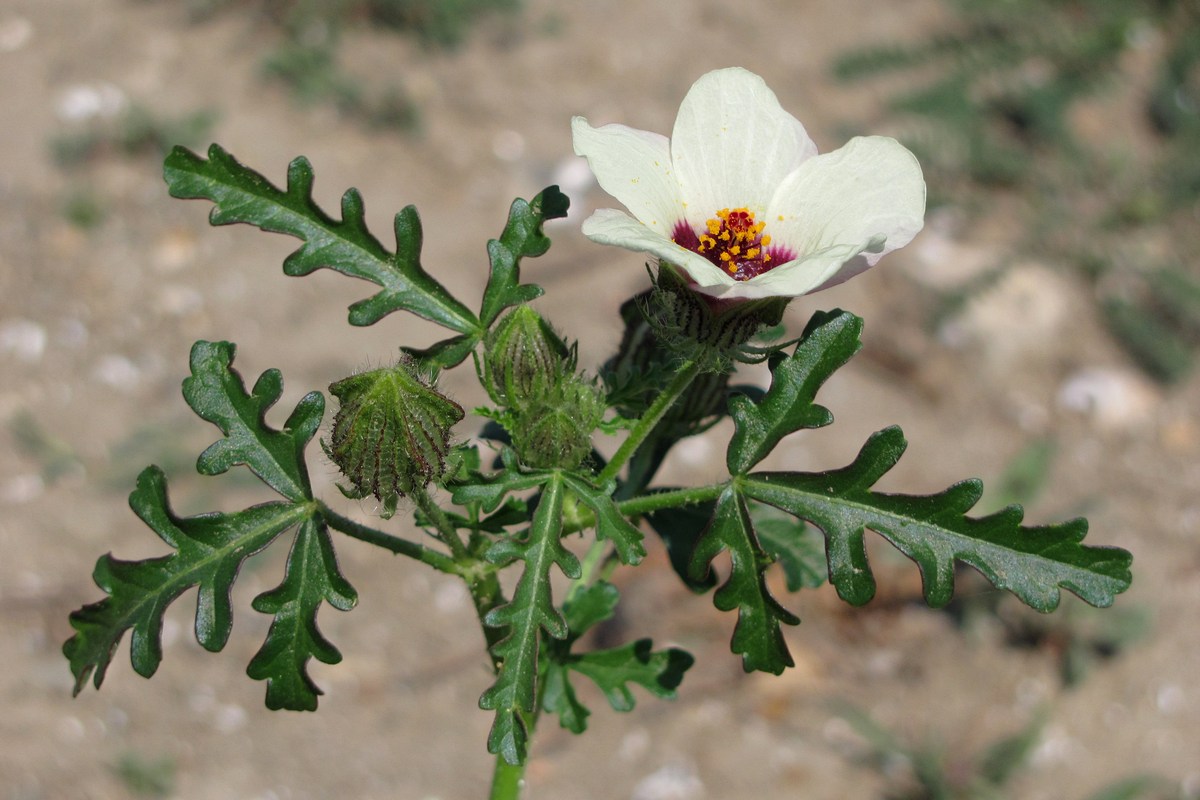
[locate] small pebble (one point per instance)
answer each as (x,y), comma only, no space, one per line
(15,33)
(24,339)
(82,102)
(1114,398)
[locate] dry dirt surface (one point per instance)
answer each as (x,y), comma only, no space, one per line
(96,323)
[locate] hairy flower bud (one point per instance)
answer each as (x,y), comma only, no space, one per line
(391,432)
(677,311)
(557,431)
(524,359)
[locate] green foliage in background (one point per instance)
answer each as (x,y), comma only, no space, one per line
(931,770)
(307,56)
(1088,112)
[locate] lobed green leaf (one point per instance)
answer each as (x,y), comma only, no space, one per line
(522,238)
(530,611)
(611,524)
(1034,563)
(657,671)
(612,670)
(757,637)
(242,195)
(209,552)
(829,341)
(311,578)
(216,393)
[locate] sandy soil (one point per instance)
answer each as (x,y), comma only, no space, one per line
(95,326)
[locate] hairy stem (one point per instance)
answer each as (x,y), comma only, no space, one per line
(646,503)
(657,501)
(447,533)
(395,544)
(644,426)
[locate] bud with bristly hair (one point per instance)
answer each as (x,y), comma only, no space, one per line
(391,433)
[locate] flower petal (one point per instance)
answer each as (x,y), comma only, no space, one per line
(733,144)
(868,196)
(610,226)
(634,167)
(796,277)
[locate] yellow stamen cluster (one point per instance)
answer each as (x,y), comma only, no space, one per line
(733,238)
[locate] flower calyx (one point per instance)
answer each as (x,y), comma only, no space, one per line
(681,316)
(524,359)
(556,432)
(391,432)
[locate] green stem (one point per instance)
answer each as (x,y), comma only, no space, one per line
(677,497)
(486,594)
(447,532)
(483,583)
(395,544)
(644,504)
(644,426)
(507,780)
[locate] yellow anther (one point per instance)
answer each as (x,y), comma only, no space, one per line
(735,251)
(766,257)
(766,240)
(726,257)
(752,252)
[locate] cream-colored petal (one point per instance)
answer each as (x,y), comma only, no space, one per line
(634,167)
(797,277)
(610,226)
(733,144)
(869,194)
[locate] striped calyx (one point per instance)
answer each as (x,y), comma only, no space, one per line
(524,359)
(391,433)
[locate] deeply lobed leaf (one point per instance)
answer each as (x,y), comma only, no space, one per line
(522,238)
(311,578)
(530,611)
(830,340)
(242,195)
(216,393)
(612,670)
(757,637)
(611,524)
(209,551)
(1034,563)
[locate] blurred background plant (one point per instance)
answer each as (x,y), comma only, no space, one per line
(146,777)
(307,57)
(929,770)
(437,23)
(1087,114)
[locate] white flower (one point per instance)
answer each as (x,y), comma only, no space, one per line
(740,200)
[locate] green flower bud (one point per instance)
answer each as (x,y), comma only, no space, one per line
(391,432)
(556,433)
(524,359)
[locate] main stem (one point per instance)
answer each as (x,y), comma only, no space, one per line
(637,435)
(654,414)
(507,778)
